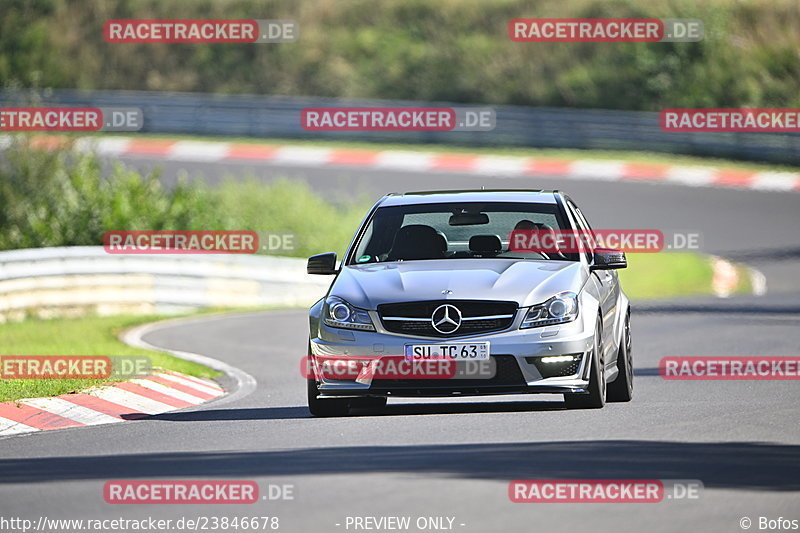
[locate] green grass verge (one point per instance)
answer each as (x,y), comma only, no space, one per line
(666,275)
(90,335)
(673,275)
(545,153)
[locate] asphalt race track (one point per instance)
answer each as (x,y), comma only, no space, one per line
(455,458)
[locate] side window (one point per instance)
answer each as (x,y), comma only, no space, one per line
(365,244)
(583,218)
(583,226)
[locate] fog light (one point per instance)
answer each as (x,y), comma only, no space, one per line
(560,358)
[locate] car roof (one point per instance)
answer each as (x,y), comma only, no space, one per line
(482,195)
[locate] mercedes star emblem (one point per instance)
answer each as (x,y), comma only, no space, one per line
(446,319)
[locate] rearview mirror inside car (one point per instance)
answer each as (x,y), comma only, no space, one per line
(468,219)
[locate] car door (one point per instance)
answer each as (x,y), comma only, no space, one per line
(608,287)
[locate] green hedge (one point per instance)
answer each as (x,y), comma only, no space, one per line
(61,198)
(451,50)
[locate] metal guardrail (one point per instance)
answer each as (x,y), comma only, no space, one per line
(72,280)
(277,116)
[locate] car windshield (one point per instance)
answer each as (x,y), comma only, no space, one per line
(458,230)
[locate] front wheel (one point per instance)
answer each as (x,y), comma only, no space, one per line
(596,398)
(621,389)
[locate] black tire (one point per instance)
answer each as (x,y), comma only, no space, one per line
(596,397)
(621,389)
(325,407)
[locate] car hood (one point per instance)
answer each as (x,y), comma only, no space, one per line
(527,282)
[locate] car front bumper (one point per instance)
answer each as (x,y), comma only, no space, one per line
(516,361)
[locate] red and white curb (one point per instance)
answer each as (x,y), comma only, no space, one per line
(128,400)
(411,161)
(726,278)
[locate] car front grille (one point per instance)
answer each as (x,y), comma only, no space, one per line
(414,318)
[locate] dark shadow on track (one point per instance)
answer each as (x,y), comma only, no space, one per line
(260,413)
(283,413)
(646,372)
(740,309)
(728,465)
(771,255)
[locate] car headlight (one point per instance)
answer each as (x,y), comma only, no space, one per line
(561,308)
(340,314)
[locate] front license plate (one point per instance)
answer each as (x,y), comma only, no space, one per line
(472,351)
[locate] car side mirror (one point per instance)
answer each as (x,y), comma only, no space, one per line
(608,259)
(322,264)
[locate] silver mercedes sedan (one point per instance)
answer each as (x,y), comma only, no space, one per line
(458,293)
